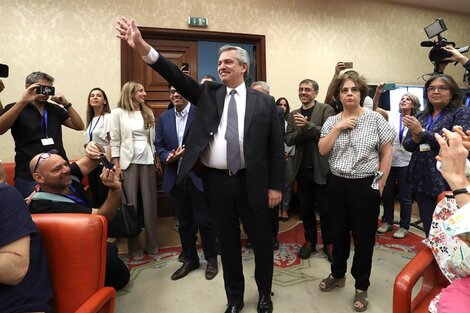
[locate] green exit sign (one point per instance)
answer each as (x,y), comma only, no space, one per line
(198,21)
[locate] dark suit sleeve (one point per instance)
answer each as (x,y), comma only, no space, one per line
(276,151)
(184,84)
(282,120)
(162,152)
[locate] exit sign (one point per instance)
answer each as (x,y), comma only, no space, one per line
(198,21)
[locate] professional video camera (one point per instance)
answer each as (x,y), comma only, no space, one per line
(437,55)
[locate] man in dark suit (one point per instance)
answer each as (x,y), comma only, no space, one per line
(255,179)
(187,197)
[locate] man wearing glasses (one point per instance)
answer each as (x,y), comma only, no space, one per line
(60,191)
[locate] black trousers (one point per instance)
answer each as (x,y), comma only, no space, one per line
(193,214)
(117,273)
(354,207)
(227,198)
(309,193)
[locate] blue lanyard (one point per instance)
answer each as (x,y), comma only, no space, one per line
(402,130)
(431,121)
(91,128)
(44,120)
(74,197)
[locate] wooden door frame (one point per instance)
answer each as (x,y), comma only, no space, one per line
(259,41)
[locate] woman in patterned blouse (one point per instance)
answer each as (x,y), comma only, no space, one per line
(359,144)
(444,110)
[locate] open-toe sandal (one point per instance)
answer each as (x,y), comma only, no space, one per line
(360,297)
(331,283)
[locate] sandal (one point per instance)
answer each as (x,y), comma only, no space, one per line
(360,297)
(331,283)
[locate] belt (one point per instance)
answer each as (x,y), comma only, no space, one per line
(227,172)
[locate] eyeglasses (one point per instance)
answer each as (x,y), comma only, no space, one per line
(172,91)
(44,156)
(437,88)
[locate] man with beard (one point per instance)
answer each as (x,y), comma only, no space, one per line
(309,167)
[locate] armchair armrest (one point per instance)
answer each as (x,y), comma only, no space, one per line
(422,265)
(102,301)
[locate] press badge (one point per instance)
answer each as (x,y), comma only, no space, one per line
(47,141)
(424,147)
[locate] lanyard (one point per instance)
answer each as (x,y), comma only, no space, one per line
(402,130)
(92,128)
(74,197)
(44,120)
(431,121)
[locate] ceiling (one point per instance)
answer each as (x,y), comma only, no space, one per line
(461,6)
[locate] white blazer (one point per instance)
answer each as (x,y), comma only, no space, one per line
(122,145)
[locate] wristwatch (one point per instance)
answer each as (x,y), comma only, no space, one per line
(461,191)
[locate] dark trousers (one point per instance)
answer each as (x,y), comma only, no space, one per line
(193,214)
(275,221)
(398,174)
(117,273)
(309,193)
(227,198)
(354,208)
(98,190)
(426,206)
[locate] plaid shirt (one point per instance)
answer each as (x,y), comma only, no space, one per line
(356,152)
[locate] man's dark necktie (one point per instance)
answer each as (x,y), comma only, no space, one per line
(231,136)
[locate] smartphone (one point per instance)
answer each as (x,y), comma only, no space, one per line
(389,86)
(348,64)
(45,90)
(185,67)
(105,162)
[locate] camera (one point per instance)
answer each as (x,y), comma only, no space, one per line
(45,90)
(3,70)
(437,54)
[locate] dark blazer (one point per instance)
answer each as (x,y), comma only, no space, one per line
(166,139)
(262,143)
(296,136)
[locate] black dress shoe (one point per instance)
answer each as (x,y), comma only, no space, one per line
(184,270)
(265,305)
(234,308)
(212,268)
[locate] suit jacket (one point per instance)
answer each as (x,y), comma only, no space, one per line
(166,139)
(295,136)
(262,141)
(122,144)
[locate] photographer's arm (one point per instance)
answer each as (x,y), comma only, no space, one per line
(330,92)
(74,121)
(375,101)
(9,117)
(457,56)
(113,201)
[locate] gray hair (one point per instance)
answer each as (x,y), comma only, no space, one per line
(242,56)
(264,85)
(34,77)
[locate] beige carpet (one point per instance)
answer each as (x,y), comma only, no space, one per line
(295,286)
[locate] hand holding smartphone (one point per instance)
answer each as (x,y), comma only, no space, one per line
(389,86)
(105,162)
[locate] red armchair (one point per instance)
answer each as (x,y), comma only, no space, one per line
(75,245)
(422,266)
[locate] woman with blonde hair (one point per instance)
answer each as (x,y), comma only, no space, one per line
(409,105)
(132,152)
(97,122)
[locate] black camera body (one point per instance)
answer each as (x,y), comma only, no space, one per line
(45,90)
(3,70)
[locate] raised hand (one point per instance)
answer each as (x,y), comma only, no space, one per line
(130,33)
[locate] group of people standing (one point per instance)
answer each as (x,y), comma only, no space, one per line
(227,140)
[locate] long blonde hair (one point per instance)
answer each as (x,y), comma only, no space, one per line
(126,102)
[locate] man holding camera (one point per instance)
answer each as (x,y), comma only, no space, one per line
(35,125)
(60,191)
